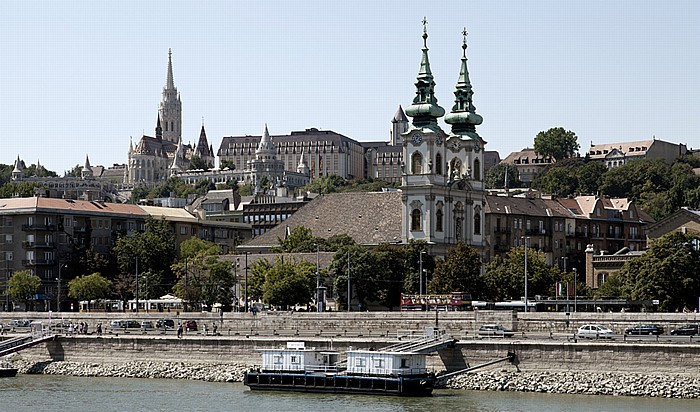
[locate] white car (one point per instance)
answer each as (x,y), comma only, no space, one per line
(594,332)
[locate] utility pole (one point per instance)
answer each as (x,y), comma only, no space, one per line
(137,283)
(348,280)
(318,281)
(246,281)
(525,242)
(420,276)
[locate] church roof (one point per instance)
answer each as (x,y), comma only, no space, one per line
(155,147)
(370,218)
(318,140)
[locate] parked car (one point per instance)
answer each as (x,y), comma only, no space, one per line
(20,323)
(686,330)
(645,329)
(495,330)
(165,324)
(594,332)
(124,324)
(147,324)
(190,325)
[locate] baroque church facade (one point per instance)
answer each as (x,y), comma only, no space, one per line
(442,179)
(156,158)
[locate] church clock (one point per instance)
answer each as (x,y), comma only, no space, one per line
(417,138)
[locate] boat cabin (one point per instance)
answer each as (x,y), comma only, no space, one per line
(378,363)
(296,358)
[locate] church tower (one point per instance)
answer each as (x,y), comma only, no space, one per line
(438,197)
(170,109)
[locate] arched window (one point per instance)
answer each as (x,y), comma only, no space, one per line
(166,126)
(477,169)
(438,164)
(416,164)
(415,220)
(455,169)
(172,128)
(438,220)
(477,221)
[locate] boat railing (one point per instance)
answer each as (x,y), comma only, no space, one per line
(321,368)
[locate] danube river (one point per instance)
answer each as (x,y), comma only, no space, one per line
(32,393)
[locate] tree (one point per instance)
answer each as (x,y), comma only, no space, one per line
(495,177)
(89,287)
(22,286)
(256,279)
(202,276)
(197,163)
(557,143)
(505,276)
(288,284)
(245,190)
(154,248)
(460,272)
(124,286)
(412,266)
(223,164)
(299,240)
(669,271)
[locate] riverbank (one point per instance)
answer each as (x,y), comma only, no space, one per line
(681,386)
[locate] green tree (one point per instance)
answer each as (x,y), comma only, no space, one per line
(299,240)
(123,287)
(223,164)
(505,276)
(245,190)
(669,271)
(22,286)
(412,266)
(202,276)
(76,171)
(288,284)
(256,279)
(89,287)
(365,270)
(155,250)
(5,173)
(459,272)
(21,189)
(557,143)
(197,163)
(495,177)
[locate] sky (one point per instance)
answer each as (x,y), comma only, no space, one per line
(82,78)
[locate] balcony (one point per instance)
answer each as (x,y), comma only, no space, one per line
(38,226)
(39,262)
(38,245)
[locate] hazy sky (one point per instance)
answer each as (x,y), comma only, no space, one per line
(81,77)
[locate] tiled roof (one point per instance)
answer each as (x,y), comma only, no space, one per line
(169,213)
(525,206)
(527,156)
(370,218)
(313,137)
(639,148)
(75,206)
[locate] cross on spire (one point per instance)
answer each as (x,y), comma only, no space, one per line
(425,33)
(464,41)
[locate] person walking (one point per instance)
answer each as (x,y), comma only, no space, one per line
(179,330)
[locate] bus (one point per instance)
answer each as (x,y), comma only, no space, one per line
(455,301)
(164,304)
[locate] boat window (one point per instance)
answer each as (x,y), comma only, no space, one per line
(404,363)
(278,359)
(359,362)
(296,359)
(379,363)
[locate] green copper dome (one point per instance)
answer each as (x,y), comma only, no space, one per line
(463,116)
(425,110)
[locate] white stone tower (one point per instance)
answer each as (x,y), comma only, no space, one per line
(170,109)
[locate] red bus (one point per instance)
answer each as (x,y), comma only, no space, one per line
(446,302)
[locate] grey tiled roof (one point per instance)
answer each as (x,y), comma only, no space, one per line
(370,218)
(525,206)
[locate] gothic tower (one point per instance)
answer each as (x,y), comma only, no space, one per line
(437,179)
(170,109)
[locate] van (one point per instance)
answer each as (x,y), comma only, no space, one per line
(124,324)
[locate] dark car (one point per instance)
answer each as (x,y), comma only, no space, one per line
(190,325)
(495,330)
(686,330)
(165,324)
(645,329)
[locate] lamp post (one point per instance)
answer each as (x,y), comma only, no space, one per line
(349,280)
(58,291)
(236,286)
(420,275)
(575,278)
(318,281)
(246,282)
(563,258)
(137,284)
(525,242)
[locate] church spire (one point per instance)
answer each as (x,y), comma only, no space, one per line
(170,82)
(265,145)
(463,116)
(425,109)
(159,130)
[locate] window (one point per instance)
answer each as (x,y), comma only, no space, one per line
(477,222)
(277,359)
(477,169)
(404,363)
(8,238)
(438,164)
(9,256)
(359,362)
(415,220)
(438,220)
(416,164)
(379,363)
(296,359)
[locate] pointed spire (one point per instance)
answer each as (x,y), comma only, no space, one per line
(170,82)
(87,163)
(18,165)
(399,116)
(131,145)
(159,130)
(463,116)
(425,109)
(86,173)
(202,144)
(265,143)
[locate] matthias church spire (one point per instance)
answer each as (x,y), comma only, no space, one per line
(425,109)
(170,109)
(463,116)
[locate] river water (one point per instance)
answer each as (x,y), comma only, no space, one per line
(39,393)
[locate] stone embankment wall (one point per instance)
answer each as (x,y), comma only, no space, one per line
(536,355)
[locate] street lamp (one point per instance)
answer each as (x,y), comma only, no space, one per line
(348,280)
(420,275)
(525,240)
(246,281)
(318,282)
(58,292)
(575,278)
(236,286)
